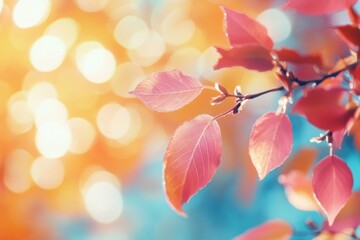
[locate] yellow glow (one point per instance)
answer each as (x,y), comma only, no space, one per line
(1,5)
(91,5)
(96,174)
(150,51)
(176,29)
(186,59)
(127,76)
(83,135)
(135,128)
(20,112)
(66,29)
(95,63)
(47,173)
(113,121)
(17,171)
(277,24)
(39,93)
(207,61)
(131,37)
(53,139)
(30,13)
(47,53)
(103,202)
(50,110)
(20,118)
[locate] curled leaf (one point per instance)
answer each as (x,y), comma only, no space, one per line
(168,91)
(217,100)
(242,30)
(252,57)
(274,229)
(221,89)
(332,183)
(270,143)
(191,159)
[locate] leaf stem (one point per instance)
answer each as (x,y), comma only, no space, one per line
(320,80)
(255,95)
(232,110)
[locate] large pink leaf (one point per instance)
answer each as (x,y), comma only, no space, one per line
(274,229)
(324,108)
(191,160)
(270,143)
(168,91)
(332,183)
(242,30)
(318,7)
(252,57)
(299,190)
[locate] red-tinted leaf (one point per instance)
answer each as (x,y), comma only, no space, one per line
(191,159)
(324,109)
(338,137)
(275,229)
(356,80)
(252,57)
(299,190)
(270,143)
(318,7)
(350,34)
(332,183)
(290,55)
(242,30)
(168,91)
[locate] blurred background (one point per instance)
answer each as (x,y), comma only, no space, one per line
(80,158)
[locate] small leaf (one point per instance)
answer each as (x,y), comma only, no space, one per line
(299,190)
(332,183)
(274,229)
(242,30)
(252,57)
(217,100)
(350,34)
(191,159)
(221,89)
(338,137)
(270,143)
(168,91)
(324,109)
(355,86)
(290,55)
(318,7)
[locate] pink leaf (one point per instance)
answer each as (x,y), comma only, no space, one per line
(168,91)
(252,57)
(270,143)
(191,160)
(242,30)
(332,183)
(299,190)
(318,7)
(274,229)
(324,108)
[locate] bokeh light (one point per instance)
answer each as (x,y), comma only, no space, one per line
(113,121)
(1,5)
(53,139)
(91,5)
(50,110)
(127,76)
(30,13)
(17,171)
(82,135)
(65,29)
(47,53)
(47,173)
(277,23)
(96,63)
(131,37)
(39,93)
